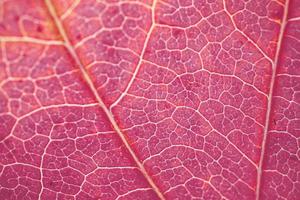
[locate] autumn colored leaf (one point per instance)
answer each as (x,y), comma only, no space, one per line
(149,99)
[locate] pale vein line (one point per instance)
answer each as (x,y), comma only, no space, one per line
(132,191)
(19,118)
(268,114)
(101,104)
(30,40)
(41,165)
(70,9)
(294,19)
(245,35)
(140,58)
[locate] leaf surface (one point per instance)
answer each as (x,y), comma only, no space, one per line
(143,99)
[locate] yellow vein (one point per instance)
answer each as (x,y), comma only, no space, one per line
(263,146)
(102,105)
(70,9)
(30,40)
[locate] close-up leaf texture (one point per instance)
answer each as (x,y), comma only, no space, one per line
(149,99)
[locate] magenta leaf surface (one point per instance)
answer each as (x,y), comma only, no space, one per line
(149,99)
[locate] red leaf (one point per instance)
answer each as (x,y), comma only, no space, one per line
(143,99)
